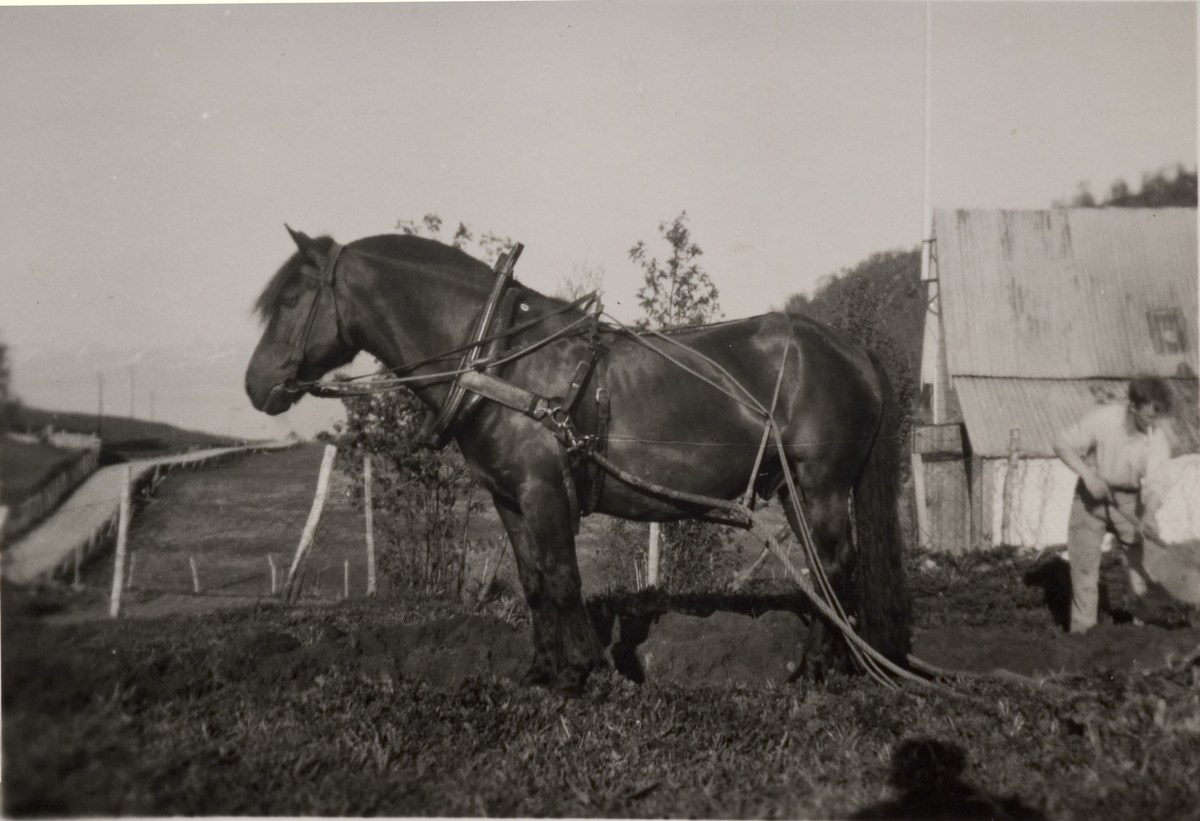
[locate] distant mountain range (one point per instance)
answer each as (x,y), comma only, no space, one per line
(195,387)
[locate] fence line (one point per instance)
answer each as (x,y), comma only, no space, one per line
(85,518)
(52,491)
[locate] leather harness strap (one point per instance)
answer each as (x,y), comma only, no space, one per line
(325,280)
(495,347)
(437,431)
(603,416)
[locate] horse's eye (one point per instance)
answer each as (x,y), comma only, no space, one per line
(292,301)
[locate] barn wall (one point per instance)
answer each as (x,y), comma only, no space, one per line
(1041,501)
(956,504)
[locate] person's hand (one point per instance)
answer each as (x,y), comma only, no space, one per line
(1097,487)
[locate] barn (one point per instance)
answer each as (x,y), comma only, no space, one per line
(1034,317)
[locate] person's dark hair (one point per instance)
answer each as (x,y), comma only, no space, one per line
(1150,390)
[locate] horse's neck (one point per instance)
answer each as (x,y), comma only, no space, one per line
(406,314)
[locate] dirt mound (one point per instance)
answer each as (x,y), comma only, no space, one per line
(724,648)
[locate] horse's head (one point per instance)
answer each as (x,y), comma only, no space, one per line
(303,338)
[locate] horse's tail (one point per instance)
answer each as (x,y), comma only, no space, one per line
(883,604)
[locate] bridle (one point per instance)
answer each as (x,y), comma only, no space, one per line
(324,277)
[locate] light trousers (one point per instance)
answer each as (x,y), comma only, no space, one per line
(1090,520)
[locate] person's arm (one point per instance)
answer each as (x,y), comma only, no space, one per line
(1064,449)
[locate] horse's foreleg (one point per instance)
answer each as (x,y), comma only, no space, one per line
(828,520)
(566,646)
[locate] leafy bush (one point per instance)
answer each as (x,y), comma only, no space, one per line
(620,554)
(421,498)
(696,557)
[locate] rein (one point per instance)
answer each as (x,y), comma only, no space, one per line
(388,383)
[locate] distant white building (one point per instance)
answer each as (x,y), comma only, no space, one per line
(1035,316)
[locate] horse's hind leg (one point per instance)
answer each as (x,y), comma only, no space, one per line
(565,645)
(828,519)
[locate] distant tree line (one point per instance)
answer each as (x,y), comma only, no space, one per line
(1160,189)
(8,401)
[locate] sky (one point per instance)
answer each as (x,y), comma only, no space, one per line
(151,155)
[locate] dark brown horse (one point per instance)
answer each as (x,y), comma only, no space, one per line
(677,424)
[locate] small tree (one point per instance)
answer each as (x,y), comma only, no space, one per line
(421,497)
(584,279)
(486,247)
(677,293)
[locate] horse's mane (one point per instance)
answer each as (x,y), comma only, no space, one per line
(411,248)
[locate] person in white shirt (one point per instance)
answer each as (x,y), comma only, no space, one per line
(1111,448)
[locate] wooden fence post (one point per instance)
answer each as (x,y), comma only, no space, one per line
(114,608)
(490,566)
(918,473)
(370,525)
(652,558)
(195,574)
(1010,481)
(274,574)
(314,519)
(346,579)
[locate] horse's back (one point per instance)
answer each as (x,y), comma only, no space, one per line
(704,434)
(821,364)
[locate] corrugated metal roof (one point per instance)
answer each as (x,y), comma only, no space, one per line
(992,407)
(1068,293)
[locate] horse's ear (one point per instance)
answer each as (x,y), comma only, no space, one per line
(302,240)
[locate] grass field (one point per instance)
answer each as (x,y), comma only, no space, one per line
(229,518)
(294,711)
(406,705)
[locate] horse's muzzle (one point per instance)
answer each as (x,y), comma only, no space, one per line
(281,398)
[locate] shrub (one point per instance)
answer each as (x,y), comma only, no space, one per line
(421,497)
